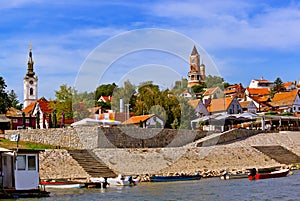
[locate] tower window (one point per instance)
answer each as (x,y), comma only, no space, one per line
(31,91)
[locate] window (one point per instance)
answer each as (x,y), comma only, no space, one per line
(21,162)
(27,121)
(31,163)
(298,108)
(26,162)
(31,91)
(15,120)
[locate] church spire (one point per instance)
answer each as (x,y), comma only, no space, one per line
(194,51)
(30,72)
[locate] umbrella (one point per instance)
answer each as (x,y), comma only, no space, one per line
(38,119)
(44,120)
(54,119)
(62,120)
(23,120)
(50,121)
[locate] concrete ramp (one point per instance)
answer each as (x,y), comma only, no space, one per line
(279,153)
(91,163)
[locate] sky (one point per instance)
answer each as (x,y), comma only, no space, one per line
(239,40)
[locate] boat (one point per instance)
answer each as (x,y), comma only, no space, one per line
(157,178)
(60,184)
(121,180)
(233,176)
(275,174)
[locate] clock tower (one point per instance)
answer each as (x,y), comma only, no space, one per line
(197,71)
(30,82)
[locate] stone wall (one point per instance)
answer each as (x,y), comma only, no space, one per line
(58,164)
(94,137)
(77,138)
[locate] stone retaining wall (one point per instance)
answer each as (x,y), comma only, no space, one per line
(94,137)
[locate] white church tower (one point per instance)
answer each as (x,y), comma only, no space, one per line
(30,83)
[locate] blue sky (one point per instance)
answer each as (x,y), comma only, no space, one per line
(246,39)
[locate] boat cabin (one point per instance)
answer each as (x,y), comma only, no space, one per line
(19,169)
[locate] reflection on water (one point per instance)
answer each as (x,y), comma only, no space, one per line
(286,188)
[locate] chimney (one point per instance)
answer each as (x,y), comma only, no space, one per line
(121,105)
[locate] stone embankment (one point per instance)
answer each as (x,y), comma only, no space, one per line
(236,157)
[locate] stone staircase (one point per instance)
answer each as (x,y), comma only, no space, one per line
(279,153)
(91,163)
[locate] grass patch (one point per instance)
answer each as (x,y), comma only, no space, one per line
(24,145)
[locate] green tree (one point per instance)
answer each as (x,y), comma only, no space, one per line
(5,102)
(81,104)
(63,102)
(126,93)
(277,87)
(13,98)
(215,81)
(180,86)
(199,89)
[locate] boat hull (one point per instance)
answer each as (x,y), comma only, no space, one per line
(275,174)
(174,178)
(233,176)
(61,185)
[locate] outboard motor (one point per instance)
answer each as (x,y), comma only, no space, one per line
(252,172)
(130,180)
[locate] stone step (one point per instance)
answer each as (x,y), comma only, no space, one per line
(91,163)
(279,153)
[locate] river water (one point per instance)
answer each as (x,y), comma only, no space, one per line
(286,188)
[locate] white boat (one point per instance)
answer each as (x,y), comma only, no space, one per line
(60,184)
(121,180)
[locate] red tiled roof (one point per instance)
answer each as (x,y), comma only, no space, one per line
(209,91)
(219,104)
(284,98)
(194,103)
(258,91)
(43,103)
(137,119)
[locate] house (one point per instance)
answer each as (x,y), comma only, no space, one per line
(145,121)
(261,102)
(228,105)
(186,94)
(41,107)
(248,106)
(16,119)
(235,91)
(213,93)
(286,102)
(20,173)
(260,83)
(199,107)
(257,92)
(4,123)
(289,86)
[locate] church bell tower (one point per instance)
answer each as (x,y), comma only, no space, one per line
(197,71)
(30,82)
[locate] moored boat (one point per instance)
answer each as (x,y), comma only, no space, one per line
(121,180)
(233,176)
(275,174)
(174,178)
(60,184)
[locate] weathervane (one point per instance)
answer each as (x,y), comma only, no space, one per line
(30,45)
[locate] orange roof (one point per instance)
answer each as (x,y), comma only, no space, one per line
(258,91)
(137,119)
(43,103)
(209,91)
(244,104)
(284,98)
(287,84)
(194,103)
(219,104)
(260,99)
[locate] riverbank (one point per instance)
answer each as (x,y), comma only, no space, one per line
(235,157)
